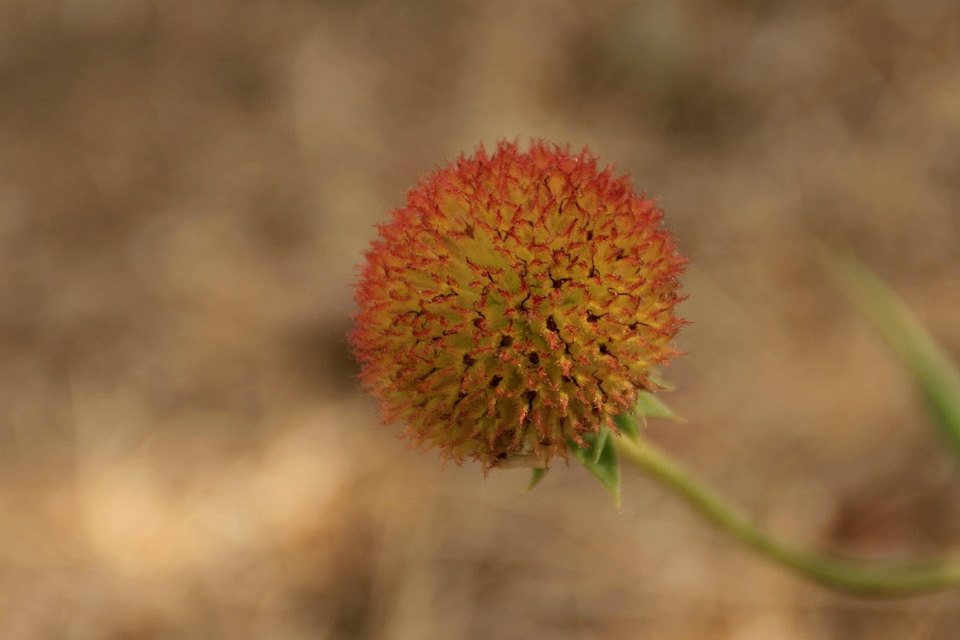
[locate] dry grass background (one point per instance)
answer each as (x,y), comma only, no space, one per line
(187,187)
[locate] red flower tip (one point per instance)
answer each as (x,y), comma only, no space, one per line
(517,301)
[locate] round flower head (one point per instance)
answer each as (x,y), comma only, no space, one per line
(517,301)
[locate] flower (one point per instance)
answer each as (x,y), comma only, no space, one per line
(518,301)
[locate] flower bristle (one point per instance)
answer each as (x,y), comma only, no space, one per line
(518,300)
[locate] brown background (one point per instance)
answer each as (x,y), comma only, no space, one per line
(186,189)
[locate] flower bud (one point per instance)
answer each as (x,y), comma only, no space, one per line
(517,302)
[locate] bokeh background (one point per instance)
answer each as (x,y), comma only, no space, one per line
(187,188)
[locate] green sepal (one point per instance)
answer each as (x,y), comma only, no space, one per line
(600,444)
(627,424)
(600,459)
(535,477)
(935,373)
(649,405)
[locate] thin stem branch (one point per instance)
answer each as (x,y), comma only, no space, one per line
(857,577)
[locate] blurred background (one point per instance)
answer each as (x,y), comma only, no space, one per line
(187,188)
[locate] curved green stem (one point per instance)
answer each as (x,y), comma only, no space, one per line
(858,577)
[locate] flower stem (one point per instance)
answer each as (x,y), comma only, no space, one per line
(862,578)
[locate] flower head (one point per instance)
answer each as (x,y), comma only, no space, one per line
(518,300)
